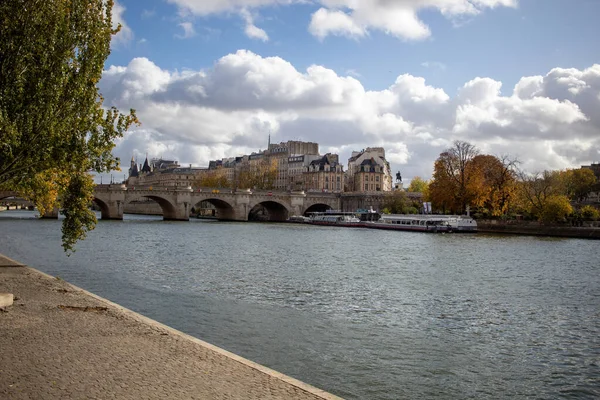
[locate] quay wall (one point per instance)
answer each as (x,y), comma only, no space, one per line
(589,230)
(59,341)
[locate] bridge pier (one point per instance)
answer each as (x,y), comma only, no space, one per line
(50,214)
(181,209)
(111,202)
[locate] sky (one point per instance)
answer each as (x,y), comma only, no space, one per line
(214,78)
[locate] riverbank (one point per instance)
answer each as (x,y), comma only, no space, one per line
(60,341)
(537,229)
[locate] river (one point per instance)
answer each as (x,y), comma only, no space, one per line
(362,313)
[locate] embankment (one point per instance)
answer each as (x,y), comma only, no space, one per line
(58,341)
(590,231)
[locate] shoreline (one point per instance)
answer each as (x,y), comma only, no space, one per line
(571,232)
(61,341)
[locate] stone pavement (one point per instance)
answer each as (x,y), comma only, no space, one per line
(58,341)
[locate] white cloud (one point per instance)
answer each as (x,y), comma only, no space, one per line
(354,18)
(325,22)
(434,65)
(251,30)
(231,108)
(188,30)
(125,35)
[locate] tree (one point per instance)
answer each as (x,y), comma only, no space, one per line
(492,183)
(213,179)
(535,190)
(261,175)
(589,213)
(555,209)
(394,203)
(418,185)
(53,126)
(452,176)
(578,183)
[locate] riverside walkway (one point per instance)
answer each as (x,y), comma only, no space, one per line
(58,341)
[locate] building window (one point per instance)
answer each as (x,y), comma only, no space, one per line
(366,187)
(377,178)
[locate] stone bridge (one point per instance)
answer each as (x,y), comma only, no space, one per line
(234,205)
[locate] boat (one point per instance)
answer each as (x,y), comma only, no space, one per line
(335,218)
(424,223)
(298,219)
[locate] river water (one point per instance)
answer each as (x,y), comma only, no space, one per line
(362,313)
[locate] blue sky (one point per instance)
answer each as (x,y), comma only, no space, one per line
(371,44)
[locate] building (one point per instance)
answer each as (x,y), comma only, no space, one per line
(274,163)
(162,173)
(324,174)
(297,165)
(375,156)
(369,177)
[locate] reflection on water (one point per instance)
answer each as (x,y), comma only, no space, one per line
(364,314)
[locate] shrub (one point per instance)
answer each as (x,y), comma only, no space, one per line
(556,209)
(589,213)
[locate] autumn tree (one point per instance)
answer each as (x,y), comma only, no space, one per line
(53,126)
(534,190)
(394,203)
(452,177)
(216,178)
(492,183)
(578,183)
(555,209)
(261,175)
(418,185)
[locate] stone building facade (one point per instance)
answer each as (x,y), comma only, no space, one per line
(369,177)
(355,177)
(325,174)
(162,173)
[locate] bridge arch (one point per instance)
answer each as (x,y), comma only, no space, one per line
(316,207)
(168,208)
(224,210)
(104,208)
(268,210)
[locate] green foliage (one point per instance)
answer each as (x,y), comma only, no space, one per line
(418,185)
(555,209)
(577,183)
(53,127)
(589,213)
(395,203)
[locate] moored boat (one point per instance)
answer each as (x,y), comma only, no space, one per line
(424,223)
(335,218)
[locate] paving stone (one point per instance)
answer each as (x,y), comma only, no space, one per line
(68,343)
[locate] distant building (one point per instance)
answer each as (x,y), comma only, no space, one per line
(369,163)
(162,173)
(325,174)
(369,177)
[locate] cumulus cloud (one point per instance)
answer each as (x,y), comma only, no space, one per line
(353,18)
(549,121)
(125,35)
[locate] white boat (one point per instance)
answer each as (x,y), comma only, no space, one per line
(425,223)
(335,218)
(300,219)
